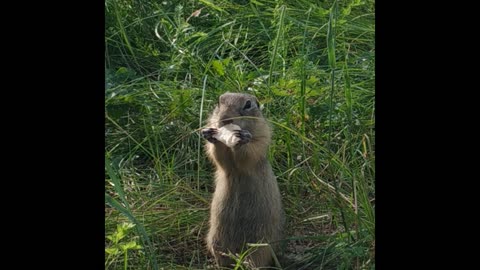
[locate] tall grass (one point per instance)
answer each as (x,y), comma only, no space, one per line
(312,66)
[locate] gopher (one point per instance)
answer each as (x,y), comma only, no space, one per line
(246,205)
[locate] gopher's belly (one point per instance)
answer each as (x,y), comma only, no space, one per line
(243,217)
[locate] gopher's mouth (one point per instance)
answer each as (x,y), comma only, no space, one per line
(228,134)
(225,122)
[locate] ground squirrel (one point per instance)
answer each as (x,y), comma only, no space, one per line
(246,205)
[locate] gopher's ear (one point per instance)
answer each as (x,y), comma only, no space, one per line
(259,106)
(258,103)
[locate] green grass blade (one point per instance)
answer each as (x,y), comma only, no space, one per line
(200,120)
(116,181)
(275,48)
(331,36)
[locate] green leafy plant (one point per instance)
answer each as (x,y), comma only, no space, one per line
(118,246)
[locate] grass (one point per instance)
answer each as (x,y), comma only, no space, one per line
(311,64)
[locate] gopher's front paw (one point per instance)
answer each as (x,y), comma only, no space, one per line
(209,133)
(244,136)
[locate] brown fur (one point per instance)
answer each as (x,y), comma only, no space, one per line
(246,205)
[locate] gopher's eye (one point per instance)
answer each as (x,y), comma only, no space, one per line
(248,105)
